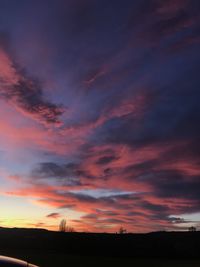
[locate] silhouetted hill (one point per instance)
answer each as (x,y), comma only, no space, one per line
(158,244)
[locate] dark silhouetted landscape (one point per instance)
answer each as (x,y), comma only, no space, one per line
(48,248)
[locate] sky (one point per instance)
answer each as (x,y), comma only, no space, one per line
(100,114)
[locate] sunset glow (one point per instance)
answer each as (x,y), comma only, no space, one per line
(100,114)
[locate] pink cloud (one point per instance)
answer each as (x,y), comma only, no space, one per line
(25,94)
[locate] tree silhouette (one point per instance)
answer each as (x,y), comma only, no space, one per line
(122,230)
(62,226)
(192,229)
(70,229)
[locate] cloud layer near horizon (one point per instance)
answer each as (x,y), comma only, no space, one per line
(127,150)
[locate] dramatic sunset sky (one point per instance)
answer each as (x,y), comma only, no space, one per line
(100,114)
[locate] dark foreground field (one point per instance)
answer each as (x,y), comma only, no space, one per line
(52,249)
(65,260)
